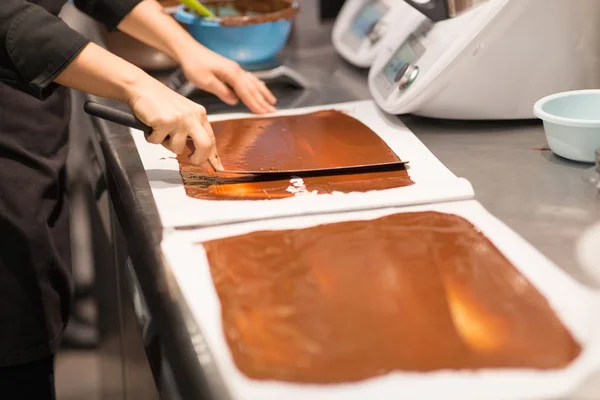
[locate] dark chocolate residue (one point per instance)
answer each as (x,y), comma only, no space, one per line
(416,292)
(253,11)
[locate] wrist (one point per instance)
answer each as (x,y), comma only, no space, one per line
(183,49)
(132,84)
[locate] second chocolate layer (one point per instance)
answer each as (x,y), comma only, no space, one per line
(344,302)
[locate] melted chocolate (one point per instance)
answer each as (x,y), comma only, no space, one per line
(319,140)
(349,301)
(252,11)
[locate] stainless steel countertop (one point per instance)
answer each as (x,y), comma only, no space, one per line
(537,194)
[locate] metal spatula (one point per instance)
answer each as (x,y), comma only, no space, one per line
(129,120)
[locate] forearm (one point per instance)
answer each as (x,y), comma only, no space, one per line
(149,24)
(205,69)
(99,72)
(172,118)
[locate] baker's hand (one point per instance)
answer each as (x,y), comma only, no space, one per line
(224,78)
(169,114)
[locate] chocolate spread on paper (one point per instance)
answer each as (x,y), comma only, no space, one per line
(345,302)
(318,140)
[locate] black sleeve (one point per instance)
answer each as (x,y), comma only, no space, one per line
(35,47)
(108,12)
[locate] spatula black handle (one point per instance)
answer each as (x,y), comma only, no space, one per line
(117,116)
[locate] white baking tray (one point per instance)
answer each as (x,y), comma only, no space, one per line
(433,181)
(577,306)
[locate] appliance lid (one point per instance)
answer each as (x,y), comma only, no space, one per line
(439,10)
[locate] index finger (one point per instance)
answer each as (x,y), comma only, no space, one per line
(243,83)
(213,158)
(264,90)
(203,144)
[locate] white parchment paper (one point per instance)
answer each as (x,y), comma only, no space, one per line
(577,306)
(433,181)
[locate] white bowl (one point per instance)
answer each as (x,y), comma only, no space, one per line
(572,123)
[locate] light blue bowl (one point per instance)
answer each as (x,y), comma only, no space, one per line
(248,45)
(572,123)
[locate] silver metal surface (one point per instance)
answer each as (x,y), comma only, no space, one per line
(280,73)
(257,176)
(286,73)
(408,77)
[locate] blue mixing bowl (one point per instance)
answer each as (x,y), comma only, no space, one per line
(255,40)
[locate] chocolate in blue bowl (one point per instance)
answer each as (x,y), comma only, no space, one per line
(250,32)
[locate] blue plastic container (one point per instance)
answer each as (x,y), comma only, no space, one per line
(249,44)
(572,123)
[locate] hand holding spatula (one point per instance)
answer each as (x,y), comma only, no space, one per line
(128,119)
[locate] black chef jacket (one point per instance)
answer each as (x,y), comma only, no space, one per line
(35,285)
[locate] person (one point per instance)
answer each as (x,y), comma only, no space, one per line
(40,57)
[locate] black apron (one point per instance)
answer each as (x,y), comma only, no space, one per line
(35,285)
